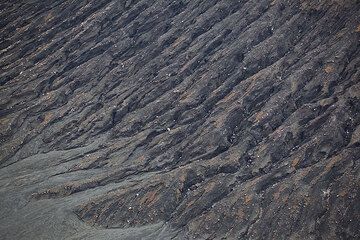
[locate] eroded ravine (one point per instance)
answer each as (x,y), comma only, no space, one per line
(179,119)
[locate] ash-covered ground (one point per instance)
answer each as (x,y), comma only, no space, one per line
(184,119)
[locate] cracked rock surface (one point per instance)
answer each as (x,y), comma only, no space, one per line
(201,119)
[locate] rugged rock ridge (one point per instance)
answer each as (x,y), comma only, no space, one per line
(180,119)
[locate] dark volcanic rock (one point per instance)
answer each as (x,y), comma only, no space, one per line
(201,119)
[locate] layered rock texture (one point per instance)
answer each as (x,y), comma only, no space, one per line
(184,119)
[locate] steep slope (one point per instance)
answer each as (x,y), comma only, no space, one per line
(203,119)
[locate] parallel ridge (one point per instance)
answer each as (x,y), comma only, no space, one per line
(235,118)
